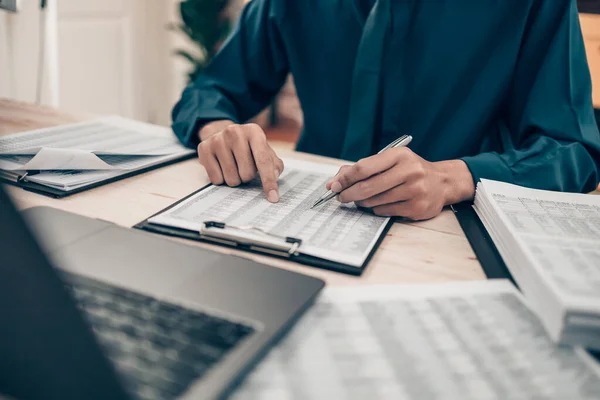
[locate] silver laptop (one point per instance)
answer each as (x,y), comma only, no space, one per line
(128,315)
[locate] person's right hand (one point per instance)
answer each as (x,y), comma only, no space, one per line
(233,154)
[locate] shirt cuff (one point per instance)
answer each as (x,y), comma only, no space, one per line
(488,166)
(187,129)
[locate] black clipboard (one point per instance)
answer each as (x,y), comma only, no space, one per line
(492,263)
(57,193)
(299,257)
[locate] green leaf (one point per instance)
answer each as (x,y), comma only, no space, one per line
(193,60)
(203,22)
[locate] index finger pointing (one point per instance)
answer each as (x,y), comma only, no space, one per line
(267,169)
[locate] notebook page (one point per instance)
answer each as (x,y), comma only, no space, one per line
(450,341)
(90,145)
(560,233)
(69,179)
(341,233)
(51,159)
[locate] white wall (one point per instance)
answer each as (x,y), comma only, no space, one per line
(115,56)
(5,79)
(20,36)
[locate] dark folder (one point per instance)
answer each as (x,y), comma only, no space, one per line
(481,242)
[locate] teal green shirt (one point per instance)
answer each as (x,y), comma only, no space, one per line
(501,84)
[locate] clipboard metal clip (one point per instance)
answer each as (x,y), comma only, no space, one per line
(251,237)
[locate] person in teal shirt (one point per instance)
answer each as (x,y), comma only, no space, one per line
(488,89)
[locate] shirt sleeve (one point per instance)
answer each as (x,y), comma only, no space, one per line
(242,78)
(549,136)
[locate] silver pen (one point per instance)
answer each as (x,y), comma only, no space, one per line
(403,140)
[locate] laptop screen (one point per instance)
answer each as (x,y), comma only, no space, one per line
(46,349)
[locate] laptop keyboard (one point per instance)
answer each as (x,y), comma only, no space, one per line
(158,348)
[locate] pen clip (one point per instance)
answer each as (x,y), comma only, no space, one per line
(395,143)
(23,178)
(240,236)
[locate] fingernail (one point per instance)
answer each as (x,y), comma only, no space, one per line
(273,196)
(277,173)
(336,187)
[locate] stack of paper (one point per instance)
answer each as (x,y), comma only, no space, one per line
(550,242)
(453,341)
(68,157)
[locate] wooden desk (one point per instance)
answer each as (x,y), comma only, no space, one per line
(430,251)
(590,26)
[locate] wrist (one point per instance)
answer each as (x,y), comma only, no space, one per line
(456,181)
(211,128)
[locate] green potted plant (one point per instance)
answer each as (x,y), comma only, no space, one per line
(206,23)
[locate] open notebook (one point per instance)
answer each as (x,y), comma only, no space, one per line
(333,236)
(550,242)
(67,159)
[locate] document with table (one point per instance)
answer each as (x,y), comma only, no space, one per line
(475,341)
(69,158)
(333,236)
(550,242)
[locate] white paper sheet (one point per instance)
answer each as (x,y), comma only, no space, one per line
(450,341)
(70,180)
(339,233)
(92,145)
(48,158)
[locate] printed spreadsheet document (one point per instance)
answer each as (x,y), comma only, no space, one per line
(559,232)
(455,341)
(550,242)
(68,157)
(335,232)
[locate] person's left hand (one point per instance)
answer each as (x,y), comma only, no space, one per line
(398,182)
